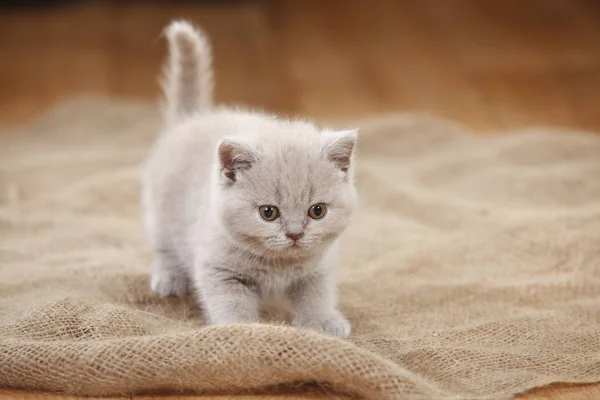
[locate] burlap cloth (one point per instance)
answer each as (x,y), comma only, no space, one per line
(470,271)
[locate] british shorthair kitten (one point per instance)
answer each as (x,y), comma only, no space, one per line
(241,206)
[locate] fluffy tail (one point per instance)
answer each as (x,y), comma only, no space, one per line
(188,78)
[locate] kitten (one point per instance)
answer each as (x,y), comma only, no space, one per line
(242,206)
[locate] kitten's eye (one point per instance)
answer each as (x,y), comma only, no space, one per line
(317,211)
(268,213)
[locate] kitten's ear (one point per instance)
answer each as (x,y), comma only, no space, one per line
(340,148)
(233,158)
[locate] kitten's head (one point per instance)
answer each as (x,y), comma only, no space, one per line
(287,191)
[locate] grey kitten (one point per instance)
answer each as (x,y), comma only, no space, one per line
(243,206)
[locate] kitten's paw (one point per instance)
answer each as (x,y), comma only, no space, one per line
(332,323)
(167,284)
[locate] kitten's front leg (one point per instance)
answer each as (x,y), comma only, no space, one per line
(314,306)
(228,299)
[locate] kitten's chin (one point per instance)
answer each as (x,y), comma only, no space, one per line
(296,252)
(291,251)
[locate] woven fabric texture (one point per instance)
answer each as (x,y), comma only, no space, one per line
(471,269)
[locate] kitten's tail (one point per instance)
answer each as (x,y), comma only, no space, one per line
(188,78)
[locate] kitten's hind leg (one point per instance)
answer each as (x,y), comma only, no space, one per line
(169,277)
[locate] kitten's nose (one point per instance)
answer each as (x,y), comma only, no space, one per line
(295,235)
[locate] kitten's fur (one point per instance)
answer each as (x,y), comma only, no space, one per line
(204,182)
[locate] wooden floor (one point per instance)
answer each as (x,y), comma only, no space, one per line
(553,393)
(494,65)
(491,64)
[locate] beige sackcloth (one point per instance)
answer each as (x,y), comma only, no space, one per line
(470,271)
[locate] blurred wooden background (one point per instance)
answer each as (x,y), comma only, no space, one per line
(492,64)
